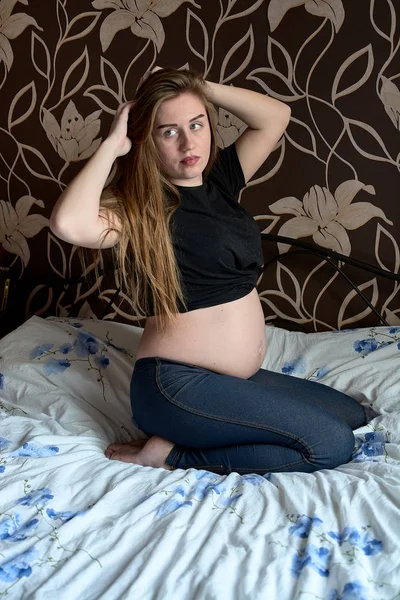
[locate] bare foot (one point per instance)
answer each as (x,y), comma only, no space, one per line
(148,453)
(133,447)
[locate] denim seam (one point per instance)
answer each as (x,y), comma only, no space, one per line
(196,412)
(292,464)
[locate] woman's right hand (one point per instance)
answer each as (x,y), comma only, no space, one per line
(119,127)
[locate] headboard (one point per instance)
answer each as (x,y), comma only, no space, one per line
(336,260)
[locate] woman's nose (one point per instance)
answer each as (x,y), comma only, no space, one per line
(187,140)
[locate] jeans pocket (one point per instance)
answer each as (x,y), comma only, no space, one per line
(176,381)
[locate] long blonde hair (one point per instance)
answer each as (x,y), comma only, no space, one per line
(144,201)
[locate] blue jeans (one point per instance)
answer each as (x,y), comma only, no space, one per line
(270,422)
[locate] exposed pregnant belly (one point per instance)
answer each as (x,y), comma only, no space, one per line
(228,338)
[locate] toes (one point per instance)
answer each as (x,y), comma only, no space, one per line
(124,452)
(114,447)
(123,457)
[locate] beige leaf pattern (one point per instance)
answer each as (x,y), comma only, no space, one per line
(16,225)
(393,318)
(391,101)
(326,216)
(229,128)
(65,67)
(329,9)
(11,26)
(372,295)
(142,16)
(74,139)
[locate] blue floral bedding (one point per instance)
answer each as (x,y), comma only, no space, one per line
(75,525)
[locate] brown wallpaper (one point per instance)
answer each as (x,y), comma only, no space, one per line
(333,178)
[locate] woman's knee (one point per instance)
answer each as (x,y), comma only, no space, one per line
(336,448)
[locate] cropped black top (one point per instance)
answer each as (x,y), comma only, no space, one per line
(217,243)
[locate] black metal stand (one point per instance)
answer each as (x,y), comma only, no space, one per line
(328,255)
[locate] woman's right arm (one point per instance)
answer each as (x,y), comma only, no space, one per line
(76,216)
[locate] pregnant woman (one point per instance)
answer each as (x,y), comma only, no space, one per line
(190,256)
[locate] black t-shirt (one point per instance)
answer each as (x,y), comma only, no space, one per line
(217,243)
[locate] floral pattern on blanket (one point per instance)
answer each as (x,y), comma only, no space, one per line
(371,445)
(27,449)
(321,556)
(336,553)
(299,366)
(203,486)
(4,444)
(85,346)
(15,528)
(212,486)
(377,340)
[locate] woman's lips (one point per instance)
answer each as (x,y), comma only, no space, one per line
(189,162)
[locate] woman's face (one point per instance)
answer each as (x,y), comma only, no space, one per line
(181,129)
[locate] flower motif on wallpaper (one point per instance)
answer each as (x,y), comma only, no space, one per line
(229,128)
(74,140)
(326,216)
(16,225)
(329,9)
(142,16)
(390,94)
(11,26)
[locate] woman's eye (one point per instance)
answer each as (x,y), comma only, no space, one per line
(192,124)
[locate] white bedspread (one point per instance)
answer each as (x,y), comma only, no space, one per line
(75,525)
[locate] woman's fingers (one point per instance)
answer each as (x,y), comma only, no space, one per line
(125,105)
(145,76)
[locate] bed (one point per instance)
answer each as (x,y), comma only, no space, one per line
(74,524)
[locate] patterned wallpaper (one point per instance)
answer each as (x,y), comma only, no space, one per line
(333,178)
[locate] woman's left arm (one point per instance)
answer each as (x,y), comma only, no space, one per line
(266,118)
